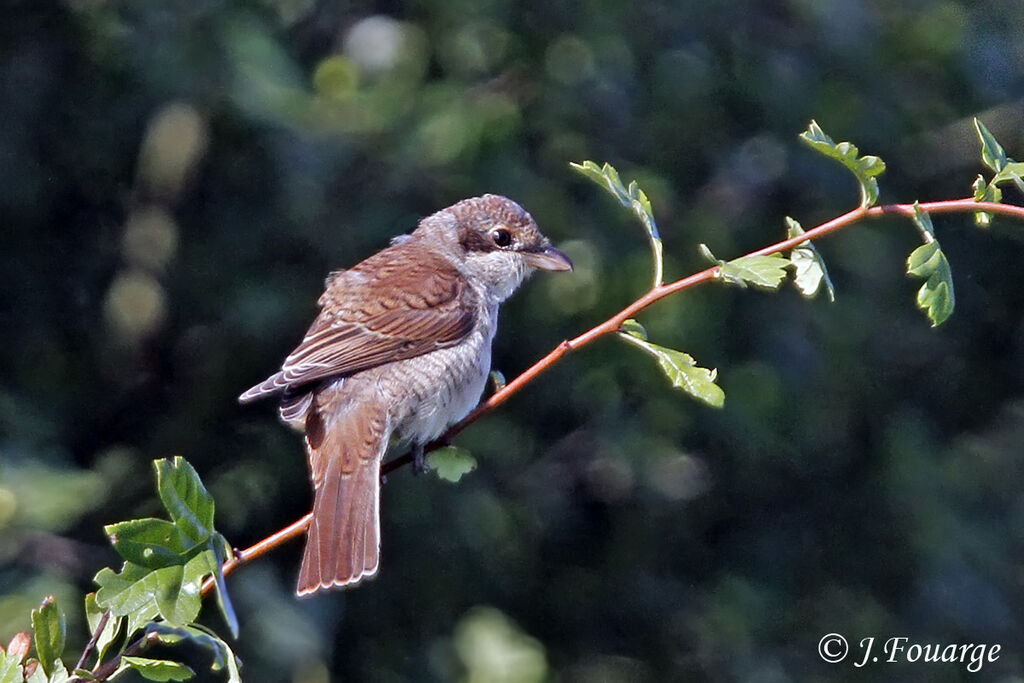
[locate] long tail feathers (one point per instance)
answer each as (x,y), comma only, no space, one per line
(343,546)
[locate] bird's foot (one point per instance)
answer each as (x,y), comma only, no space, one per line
(419,460)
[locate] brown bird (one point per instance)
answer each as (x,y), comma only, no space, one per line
(402,346)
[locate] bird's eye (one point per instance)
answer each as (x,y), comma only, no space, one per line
(502,237)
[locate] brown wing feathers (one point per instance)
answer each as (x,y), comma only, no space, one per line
(365,321)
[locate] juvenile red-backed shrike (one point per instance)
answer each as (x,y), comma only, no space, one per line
(402,346)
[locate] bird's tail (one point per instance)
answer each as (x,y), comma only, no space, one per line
(345,453)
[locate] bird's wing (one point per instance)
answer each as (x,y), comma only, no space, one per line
(387,308)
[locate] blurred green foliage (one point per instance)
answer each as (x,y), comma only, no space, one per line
(178,178)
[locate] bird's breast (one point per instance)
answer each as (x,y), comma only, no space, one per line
(428,393)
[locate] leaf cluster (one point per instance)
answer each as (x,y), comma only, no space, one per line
(810,275)
(1006,170)
(155,598)
(864,168)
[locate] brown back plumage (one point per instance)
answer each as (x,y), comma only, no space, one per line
(397,304)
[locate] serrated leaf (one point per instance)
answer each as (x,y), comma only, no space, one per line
(93,615)
(864,168)
(148,542)
(140,593)
(984,192)
(682,371)
(809,271)
(992,153)
(130,593)
(223,657)
(1012,171)
(936,296)
(10,668)
(451,463)
(632,198)
(606,176)
(634,329)
(186,499)
(49,631)
(156,669)
(766,272)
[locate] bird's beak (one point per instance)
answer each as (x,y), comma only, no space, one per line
(547,258)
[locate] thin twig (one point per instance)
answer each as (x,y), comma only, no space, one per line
(92,642)
(293,530)
(609,326)
(104,672)
(95,639)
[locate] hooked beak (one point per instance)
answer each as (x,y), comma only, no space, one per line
(547,258)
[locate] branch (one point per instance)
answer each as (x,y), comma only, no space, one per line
(94,640)
(105,671)
(609,326)
(613,324)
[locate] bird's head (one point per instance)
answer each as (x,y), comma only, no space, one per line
(497,243)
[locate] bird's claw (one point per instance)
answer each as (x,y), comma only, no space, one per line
(419,461)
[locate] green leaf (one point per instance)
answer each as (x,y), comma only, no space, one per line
(922,262)
(706,254)
(185,497)
(936,296)
(923,221)
(452,462)
(60,674)
(177,600)
(992,153)
(156,669)
(149,542)
(809,271)
(93,614)
(10,668)
(632,198)
(223,657)
(1012,171)
(864,168)
(219,551)
(766,272)
(49,631)
(131,594)
(140,593)
(679,367)
(983,192)
(634,329)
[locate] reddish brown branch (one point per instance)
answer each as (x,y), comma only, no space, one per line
(241,557)
(609,326)
(91,645)
(613,324)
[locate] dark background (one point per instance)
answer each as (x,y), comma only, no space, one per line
(176,179)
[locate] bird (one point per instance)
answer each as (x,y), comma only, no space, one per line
(400,350)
